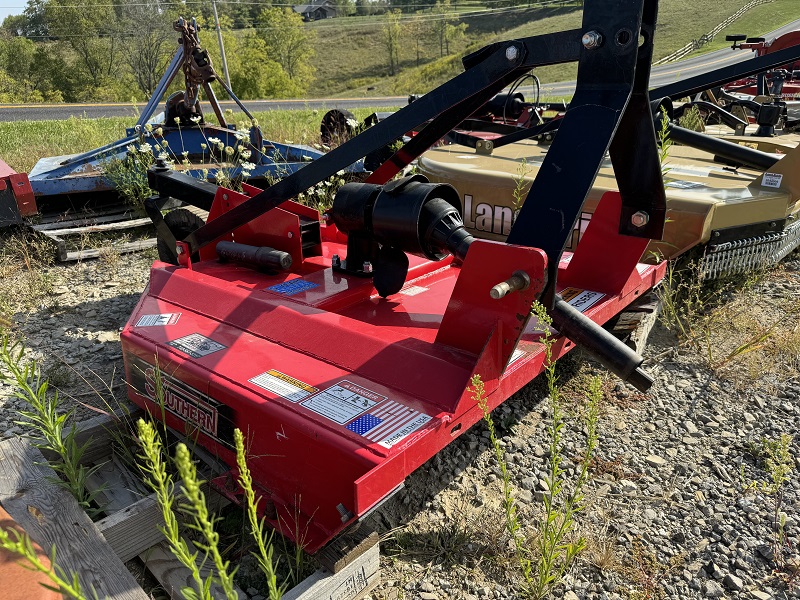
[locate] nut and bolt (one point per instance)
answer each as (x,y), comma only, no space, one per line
(512,53)
(336,262)
(591,40)
(640,219)
(367,267)
(224,196)
(179,249)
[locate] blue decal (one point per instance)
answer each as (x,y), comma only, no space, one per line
(363,424)
(292,287)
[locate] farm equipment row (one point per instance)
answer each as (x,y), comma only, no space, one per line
(347,345)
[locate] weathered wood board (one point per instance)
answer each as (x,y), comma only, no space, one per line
(51,516)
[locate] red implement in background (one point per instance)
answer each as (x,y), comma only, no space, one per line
(16,196)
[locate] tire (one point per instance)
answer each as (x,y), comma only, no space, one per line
(335,128)
(181,223)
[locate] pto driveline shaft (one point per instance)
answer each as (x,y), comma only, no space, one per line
(608,350)
(256,256)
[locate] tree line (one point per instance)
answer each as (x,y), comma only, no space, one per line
(117,50)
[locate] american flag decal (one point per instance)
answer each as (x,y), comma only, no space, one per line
(388,423)
(363,424)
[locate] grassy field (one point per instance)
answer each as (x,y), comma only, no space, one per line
(757,22)
(23,143)
(352,56)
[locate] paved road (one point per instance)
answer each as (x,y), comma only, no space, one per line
(38,112)
(661,75)
(683,69)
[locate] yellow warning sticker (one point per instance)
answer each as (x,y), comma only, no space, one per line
(284,385)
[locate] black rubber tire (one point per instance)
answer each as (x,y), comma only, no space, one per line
(181,223)
(335,128)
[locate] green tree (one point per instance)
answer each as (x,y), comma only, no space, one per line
(417,29)
(91,30)
(290,43)
(445,27)
(392,32)
(148,52)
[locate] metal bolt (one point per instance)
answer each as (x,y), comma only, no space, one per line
(772,224)
(367,267)
(336,262)
(591,39)
(518,281)
(224,196)
(290,234)
(640,219)
(326,217)
(512,53)
(716,234)
(179,249)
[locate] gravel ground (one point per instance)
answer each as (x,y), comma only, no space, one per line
(673,506)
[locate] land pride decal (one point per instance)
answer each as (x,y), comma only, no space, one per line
(190,405)
(498,219)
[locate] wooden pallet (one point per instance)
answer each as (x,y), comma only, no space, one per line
(97,551)
(58,231)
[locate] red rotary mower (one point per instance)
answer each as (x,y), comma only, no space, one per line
(343,345)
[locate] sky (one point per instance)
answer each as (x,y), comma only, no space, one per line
(11,7)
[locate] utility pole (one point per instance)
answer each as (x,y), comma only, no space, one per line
(221,45)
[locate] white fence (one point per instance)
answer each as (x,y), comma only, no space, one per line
(708,37)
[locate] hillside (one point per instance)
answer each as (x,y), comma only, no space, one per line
(352,56)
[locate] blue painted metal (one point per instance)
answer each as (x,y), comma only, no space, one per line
(82,173)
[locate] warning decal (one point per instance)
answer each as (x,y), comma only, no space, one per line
(684,185)
(772,180)
(196,345)
(292,287)
(583,300)
(516,355)
(158,320)
(342,402)
(283,385)
(413,290)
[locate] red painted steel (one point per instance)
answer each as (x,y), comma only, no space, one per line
(340,393)
(20,187)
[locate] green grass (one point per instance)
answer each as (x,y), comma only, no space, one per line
(756,22)
(23,143)
(355,56)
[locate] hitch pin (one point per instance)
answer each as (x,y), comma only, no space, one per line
(517,282)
